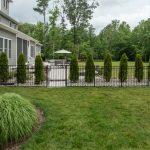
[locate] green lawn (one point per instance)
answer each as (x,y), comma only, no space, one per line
(90,118)
(114,63)
(115,69)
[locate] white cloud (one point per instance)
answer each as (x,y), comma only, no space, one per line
(131,11)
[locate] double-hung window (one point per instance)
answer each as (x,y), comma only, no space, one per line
(1,45)
(5,46)
(33,51)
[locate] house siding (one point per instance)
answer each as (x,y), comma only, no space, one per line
(38,50)
(12,37)
(6,11)
(8,22)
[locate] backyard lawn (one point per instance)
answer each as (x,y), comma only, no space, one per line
(90,118)
(114,63)
(115,68)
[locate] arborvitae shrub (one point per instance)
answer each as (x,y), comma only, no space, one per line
(139,68)
(4,73)
(21,69)
(39,70)
(89,69)
(108,68)
(74,69)
(149,71)
(123,70)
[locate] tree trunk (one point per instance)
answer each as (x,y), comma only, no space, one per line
(74,36)
(44,16)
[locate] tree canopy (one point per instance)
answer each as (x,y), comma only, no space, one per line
(69,28)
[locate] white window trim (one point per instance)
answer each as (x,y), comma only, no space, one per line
(33,45)
(3,50)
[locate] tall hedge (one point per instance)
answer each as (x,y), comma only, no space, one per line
(149,71)
(74,69)
(139,72)
(123,70)
(89,69)
(21,69)
(108,68)
(39,70)
(4,72)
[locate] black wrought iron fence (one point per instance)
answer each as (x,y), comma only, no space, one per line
(59,76)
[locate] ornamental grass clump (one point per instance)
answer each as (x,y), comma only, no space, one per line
(17,118)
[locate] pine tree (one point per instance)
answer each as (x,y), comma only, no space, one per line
(21,69)
(74,69)
(139,68)
(123,71)
(108,68)
(89,69)
(3,67)
(39,70)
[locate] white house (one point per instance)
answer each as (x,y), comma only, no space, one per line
(14,42)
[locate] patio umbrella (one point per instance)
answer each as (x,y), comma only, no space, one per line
(62,52)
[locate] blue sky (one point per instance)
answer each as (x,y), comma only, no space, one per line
(131,11)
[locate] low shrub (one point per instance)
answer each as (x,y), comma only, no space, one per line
(149,71)
(74,69)
(17,118)
(89,69)
(139,72)
(39,70)
(123,70)
(3,67)
(108,68)
(21,69)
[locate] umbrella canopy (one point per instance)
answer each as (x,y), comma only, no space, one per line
(62,52)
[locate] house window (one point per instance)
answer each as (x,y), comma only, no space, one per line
(9,48)
(5,46)
(33,51)
(4,2)
(1,45)
(10,24)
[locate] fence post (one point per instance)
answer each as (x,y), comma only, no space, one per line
(66,75)
(121,76)
(94,75)
(47,75)
(148,77)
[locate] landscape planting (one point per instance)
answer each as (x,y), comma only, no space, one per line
(3,67)
(74,69)
(108,68)
(21,69)
(17,118)
(123,72)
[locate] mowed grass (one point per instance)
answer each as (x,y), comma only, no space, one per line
(115,69)
(90,118)
(114,63)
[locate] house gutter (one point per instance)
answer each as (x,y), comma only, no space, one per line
(19,33)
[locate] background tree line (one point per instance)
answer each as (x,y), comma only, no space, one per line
(116,38)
